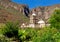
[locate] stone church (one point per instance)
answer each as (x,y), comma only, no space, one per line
(39,16)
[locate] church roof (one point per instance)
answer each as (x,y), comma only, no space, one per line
(34,14)
(41,21)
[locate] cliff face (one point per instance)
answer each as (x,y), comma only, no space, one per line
(44,12)
(10,11)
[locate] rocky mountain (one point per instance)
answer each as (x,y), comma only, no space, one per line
(10,11)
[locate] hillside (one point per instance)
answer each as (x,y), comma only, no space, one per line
(10,11)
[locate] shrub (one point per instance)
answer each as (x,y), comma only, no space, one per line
(11,29)
(55,19)
(23,35)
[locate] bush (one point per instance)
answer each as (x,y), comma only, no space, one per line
(24,35)
(11,29)
(55,19)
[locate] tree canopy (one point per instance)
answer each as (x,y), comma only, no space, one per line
(55,19)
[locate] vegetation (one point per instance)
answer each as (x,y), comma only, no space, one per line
(35,35)
(55,19)
(11,30)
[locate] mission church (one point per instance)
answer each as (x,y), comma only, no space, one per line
(39,18)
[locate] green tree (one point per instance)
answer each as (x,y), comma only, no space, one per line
(11,30)
(55,19)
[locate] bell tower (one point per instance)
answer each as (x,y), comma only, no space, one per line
(32,20)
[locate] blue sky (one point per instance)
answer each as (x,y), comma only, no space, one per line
(36,3)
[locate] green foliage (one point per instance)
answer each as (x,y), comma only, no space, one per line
(56,37)
(23,35)
(55,19)
(11,29)
(45,35)
(42,35)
